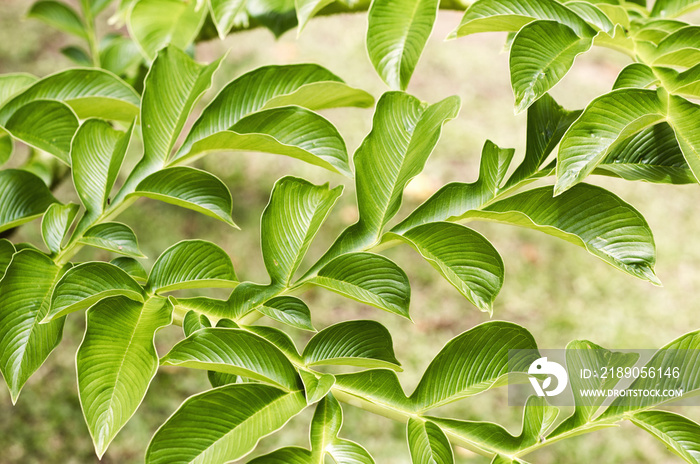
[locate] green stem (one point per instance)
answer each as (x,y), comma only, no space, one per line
(92,40)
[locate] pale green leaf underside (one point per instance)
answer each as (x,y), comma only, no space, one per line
(113,236)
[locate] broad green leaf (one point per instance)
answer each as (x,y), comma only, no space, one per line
(235,351)
(291,131)
(473,362)
(316,386)
(156,23)
(404,134)
(364,344)
(683,117)
(6,147)
(582,354)
(537,418)
(348,452)
(91,93)
(396,35)
(378,386)
(464,257)
(682,354)
(58,15)
(307,9)
(23,197)
(686,83)
(190,188)
(288,455)
(247,296)
(594,15)
(427,443)
(588,216)
(652,155)
(288,310)
(212,308)
(191,264)
(671,8)
(78,55)
(276,15)
(167,103)
(131,267)
(512,15)
(120,56)
(635,75)
(295,213)
(680,434)
(46,125)
(655,30)
(307,85)
(547,122)
(678,49)
(223,424)
(14,83)
(224,13)
(97,153)
(55,223)
(280,339)
(368,278)
(113,236)
(457,198)
(608,120)
(7,249)
(86,284)
(116,362)
(193,322)
(540,56)
(24,300)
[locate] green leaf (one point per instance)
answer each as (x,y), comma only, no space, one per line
(683,117)
(212,308)
(672,8)
(464,257)
(295,213)
(635,75)
(46,125)
(120,56)
(364,344)
(582,354)
(60,16)
(91,93)
(606,121)
(223,424)
(116,362)
(6,147)
(594,15)
(24,300)
(189,188)
(14,83)
(404,133)
(378,386)
(193,322)
(23,197)
(679,48)
(540,56)
(235,351)
(288,455)
(131,267)
(276,15)
(537,418)
(396,35)
(678,433)
(288,310)
(224,13)
(316,386)
(307,85)
(156,23)
(55,224)
(547,122)
(682,354)
(473,362)
(427,443)
(7,249)
(512,15)
(167,103)
(368,278)
(291,131)
(588,216)
(275,336)
(86,284)
(77,55)
(457,198)
(652,155)
(97,153)
(191,264)
(307,9)
(113,236)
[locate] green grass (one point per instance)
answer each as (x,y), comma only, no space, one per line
(556,290)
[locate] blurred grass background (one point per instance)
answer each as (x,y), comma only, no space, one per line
(556,290)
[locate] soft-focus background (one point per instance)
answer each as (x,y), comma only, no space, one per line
(556,290)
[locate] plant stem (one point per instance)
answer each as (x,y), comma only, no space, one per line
(91,33)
